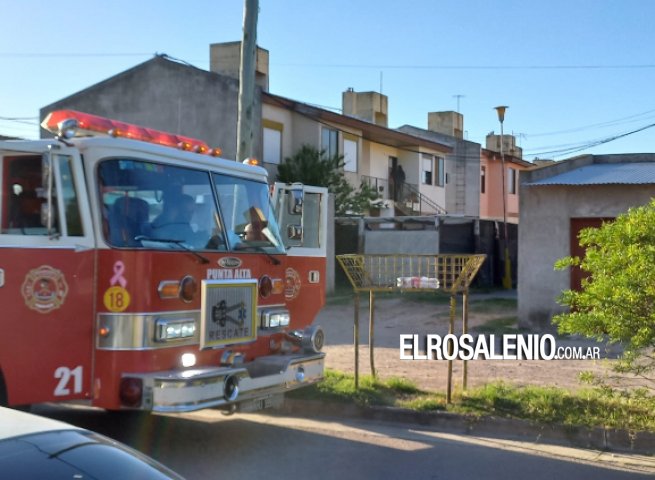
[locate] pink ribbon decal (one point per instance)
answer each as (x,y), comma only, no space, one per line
(119,269)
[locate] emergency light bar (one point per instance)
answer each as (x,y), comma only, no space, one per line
(68,123)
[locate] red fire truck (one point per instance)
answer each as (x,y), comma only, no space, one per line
(140,271)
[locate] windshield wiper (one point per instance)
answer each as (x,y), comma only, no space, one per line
(179,243)
(257,248)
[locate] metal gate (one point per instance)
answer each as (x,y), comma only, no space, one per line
(445,274)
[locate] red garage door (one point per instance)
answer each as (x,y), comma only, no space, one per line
(577,224)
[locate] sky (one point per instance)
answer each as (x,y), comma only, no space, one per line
(577,75)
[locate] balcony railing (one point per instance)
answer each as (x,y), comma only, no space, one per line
(381,185)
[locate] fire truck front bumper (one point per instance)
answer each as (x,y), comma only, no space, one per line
(247,387)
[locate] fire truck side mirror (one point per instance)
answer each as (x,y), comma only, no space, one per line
(47,182)
(295,201)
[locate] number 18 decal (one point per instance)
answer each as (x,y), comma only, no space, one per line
(65,374)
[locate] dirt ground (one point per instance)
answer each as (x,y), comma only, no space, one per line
(401,315)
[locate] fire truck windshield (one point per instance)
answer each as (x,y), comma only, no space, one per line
(156,206)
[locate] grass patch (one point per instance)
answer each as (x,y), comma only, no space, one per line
(594,407)
(340,387)
(590,407)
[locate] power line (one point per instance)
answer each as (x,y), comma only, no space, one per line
(346,65)
(71,55)
(469,67)
(581,147)
(609,123)
(24,120)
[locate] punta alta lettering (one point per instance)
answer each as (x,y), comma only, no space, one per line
(228,274)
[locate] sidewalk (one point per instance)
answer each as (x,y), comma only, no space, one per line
(640,446)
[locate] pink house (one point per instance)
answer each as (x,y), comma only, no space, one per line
(491,185)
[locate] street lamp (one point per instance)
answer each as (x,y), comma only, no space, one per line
(507,277)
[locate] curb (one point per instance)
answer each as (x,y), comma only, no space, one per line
(614,440)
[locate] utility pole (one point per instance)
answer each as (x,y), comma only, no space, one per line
(507,277)
(245,130)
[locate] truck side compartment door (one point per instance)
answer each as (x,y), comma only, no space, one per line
(46,277)
(302,214)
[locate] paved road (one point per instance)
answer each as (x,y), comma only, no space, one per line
(207,445)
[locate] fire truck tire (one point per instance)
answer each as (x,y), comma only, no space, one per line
(4,401)
(3,391)
(129,416)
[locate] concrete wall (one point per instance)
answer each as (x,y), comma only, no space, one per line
(169,96)
(461,195)
(544,235)
(306,131)
(435,193)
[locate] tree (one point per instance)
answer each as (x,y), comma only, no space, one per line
(617,300)
(313,167)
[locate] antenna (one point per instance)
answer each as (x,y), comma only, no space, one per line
(458,96)
(381,79)
(520,136)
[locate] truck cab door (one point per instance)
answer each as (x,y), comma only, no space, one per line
(302,215)
(46,274)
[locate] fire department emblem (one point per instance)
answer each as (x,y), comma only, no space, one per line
(44,289)
(291,284)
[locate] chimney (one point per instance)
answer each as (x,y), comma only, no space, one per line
(509,144)
(369,106)
(448,123)
(225,59)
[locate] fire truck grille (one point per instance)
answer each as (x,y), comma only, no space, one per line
(229,312)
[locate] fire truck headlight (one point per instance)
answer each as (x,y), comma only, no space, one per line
(188,360)
(168,330)
(275,318)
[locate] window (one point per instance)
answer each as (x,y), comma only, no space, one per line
(350,155)
(69,194)
(329,142)
(426,169)
(429,164)
(23,194)
(512,180)
(249,217)
(272,142)
(151,205)
(483,179)
(441,172)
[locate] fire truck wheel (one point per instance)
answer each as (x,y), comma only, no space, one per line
(230,410)
(128,416)
(3,391)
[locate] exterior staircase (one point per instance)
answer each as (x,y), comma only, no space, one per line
(410,202)
(414,203)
